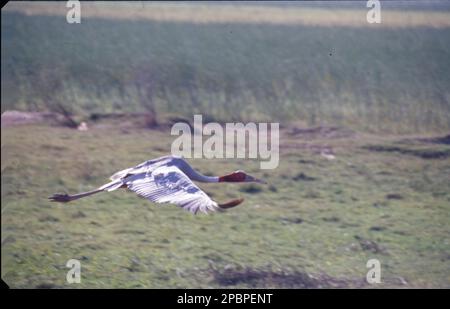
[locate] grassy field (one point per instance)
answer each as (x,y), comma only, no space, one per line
(376,96)
(315,225)
(319,70)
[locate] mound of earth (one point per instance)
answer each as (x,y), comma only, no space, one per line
(321,132)
(10,118)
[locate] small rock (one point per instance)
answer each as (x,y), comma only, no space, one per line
(82,126)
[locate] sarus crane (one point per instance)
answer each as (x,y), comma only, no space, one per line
(168,179)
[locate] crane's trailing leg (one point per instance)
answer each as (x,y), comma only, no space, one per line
(64,198)
(231,204)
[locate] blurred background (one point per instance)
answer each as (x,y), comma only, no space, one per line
(365,156)
(320,63)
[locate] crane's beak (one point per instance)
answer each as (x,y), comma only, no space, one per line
(249,178)
(260,181)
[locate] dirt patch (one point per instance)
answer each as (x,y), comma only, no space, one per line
(255,278)
(303,177)
(321,132)
(79,215)
(420,153)
(394,196)
(443,140)
(317,149)
(127,122)
(123,120)
(11,118)
(370,245)
(440,140)
(291,220)
(331,219)
(146,120)
(49,218)
(252,189)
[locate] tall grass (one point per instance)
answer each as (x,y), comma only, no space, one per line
(377,79)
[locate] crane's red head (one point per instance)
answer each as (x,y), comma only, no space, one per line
(239,176)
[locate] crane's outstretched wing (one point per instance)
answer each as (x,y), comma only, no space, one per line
(144,167)
(168,184)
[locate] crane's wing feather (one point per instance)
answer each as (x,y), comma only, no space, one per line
(168,184)
(143,167)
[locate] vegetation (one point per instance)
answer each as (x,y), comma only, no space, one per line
(364,112)
(318,230)
(385,79)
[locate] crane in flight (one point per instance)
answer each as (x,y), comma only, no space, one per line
(168,179)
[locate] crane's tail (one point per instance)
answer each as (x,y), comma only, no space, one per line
(231,204)
(120,174)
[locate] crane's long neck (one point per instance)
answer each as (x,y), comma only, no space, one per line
(196,176)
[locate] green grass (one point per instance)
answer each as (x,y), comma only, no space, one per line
(317,222)
(314,230)
(373,79)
